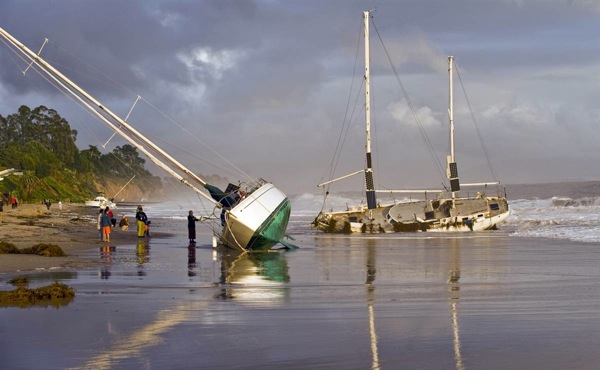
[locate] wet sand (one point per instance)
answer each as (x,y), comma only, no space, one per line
(73,229)
(410,301)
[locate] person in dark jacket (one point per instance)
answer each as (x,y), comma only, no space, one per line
(142,220)
(105,224)
(192,226)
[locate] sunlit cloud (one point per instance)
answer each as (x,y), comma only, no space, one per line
(205,61)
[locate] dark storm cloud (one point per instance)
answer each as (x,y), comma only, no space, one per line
(270,78)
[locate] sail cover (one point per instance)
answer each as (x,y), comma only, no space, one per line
(226,200)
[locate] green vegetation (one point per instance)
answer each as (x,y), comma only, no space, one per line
(46,250)
(8,248)
(41,144)
(19,281)
(42,249)
(56,294)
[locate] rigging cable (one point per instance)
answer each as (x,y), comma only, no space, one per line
(412,109)
(54,84)
(483,146)
(200,141)
(345,123)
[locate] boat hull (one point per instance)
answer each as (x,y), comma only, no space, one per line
(259,221)
(445,215)
(100,202)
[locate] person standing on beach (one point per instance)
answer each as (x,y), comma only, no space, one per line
(192,226)
(111,216)
(141,218)
(59,205)
(105,224)
(100,212)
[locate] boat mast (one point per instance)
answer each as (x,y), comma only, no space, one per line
(62,79)
(452,169)
(371,198)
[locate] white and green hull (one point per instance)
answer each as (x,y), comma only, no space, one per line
(258,221)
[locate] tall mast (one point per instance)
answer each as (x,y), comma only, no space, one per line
(451,107)
(371,198)
(452,169)
(62,80)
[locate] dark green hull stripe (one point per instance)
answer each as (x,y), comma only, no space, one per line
(273,229)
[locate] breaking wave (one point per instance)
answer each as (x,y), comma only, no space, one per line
(576,219)
(580,202)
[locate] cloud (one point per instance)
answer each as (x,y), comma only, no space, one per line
(403,114)
(267,81)
(204,62)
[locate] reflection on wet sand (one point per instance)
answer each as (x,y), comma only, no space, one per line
(371,273)
(255,276)
(191,259)
(106,255)
(244,275)
(454,290)
(142,252)
(110,254)
(133,345)
(418,265)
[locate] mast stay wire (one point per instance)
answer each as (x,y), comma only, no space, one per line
(346,123)
(198,140)
(219,166)
(55,85)
(412,109)
(481,141)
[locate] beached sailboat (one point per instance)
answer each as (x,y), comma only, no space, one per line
(254,215)
(100,202)
(446,212)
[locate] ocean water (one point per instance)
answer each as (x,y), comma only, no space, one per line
(525,296)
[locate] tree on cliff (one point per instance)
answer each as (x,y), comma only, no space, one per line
(41,143)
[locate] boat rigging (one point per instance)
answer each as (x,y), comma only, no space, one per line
(447,212)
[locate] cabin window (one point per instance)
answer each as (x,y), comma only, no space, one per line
(494,206)
(353,219)
(429,215)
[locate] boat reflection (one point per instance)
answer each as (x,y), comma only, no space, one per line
(454,290)
(254,277)
(371,273)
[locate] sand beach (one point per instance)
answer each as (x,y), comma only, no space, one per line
(73,229)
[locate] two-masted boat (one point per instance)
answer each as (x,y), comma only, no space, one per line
(254,214)
(445,211)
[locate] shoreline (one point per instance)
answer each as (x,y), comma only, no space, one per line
(73,229)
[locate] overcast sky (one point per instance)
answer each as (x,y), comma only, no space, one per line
(266,83)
